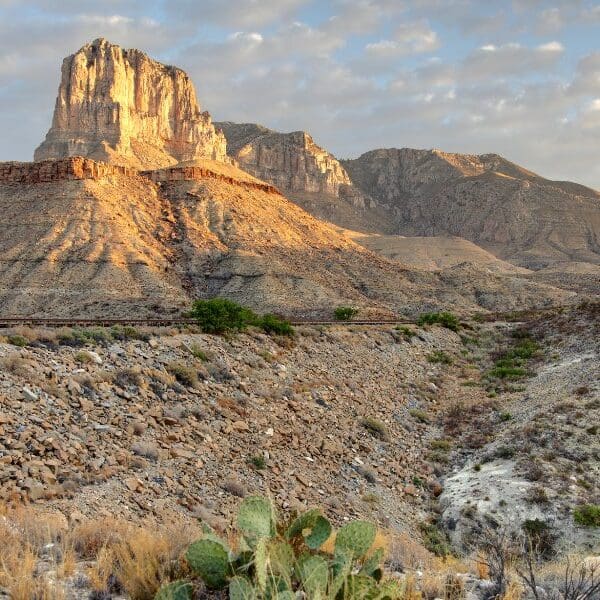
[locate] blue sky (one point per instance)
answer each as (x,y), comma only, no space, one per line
(516,77)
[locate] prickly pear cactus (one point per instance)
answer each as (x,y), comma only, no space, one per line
(319,534)
(210,561)
(241,588)
(256,519)
(313,572)
(372,565)
(355,538)
(177,590)
(304,521)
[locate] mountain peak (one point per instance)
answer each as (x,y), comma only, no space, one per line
(122,107)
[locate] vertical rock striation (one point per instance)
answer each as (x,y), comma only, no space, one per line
(121,107)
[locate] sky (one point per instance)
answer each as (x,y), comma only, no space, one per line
(520,78)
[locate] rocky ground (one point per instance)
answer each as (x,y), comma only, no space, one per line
(403,426)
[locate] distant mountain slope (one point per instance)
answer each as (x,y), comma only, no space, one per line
(309,175)
(515,214)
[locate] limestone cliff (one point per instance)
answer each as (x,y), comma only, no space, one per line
(121,107)
(291,161)
(307,173)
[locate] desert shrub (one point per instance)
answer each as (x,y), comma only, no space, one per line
(184,374)
(540,536)
(83,357)
(17,340)
(129,377)
(439,357)
(504,371)
(419,415)
(198,353)
(587,515)
(219,315)
(407,332)
(258,462)
(273,325)
(537,495)
(434,539)
(375,427)
(345,313)
(284,559)
(445,319)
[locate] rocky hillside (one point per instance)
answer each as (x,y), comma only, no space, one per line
(120,106)
(518,216)
(308,174)
(93,239)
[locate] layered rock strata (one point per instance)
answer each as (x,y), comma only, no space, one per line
(121,107)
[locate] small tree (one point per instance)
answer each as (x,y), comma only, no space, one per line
(219,315)
(345,313)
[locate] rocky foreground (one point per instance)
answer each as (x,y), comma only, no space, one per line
(404,426)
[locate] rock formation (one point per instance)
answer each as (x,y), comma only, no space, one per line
(291,161)
(311,176)
(120,106)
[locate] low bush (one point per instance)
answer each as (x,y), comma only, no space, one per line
(445,319)
(540,535)
(272,324)
(345,313)
(419,414)
(184,374)
(434,539)
(375,427)
(587,515)
(439,357)
(18,340)
(219,315)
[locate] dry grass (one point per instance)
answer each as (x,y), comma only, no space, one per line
(39,552)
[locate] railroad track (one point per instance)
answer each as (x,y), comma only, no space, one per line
(15,321)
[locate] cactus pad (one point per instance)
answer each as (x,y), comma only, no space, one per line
(355,538)
(210,561)
(313,573)
(256,519)
(241,589)
(177,590)
(319,534)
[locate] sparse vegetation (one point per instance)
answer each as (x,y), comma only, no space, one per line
(345,313)
(587,515)
(184,374)
(17,340)
(445,319)
(440,357)
(376,428)
(274,325)
(419,415)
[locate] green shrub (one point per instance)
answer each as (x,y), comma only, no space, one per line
(540,535)
(445,319)
(407,332)
(18,340)
(272,324)
(219,315)
(587,515)
(284,560)
(258,462)
(507,372)
(434,539)
(439,357)
(345,313)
